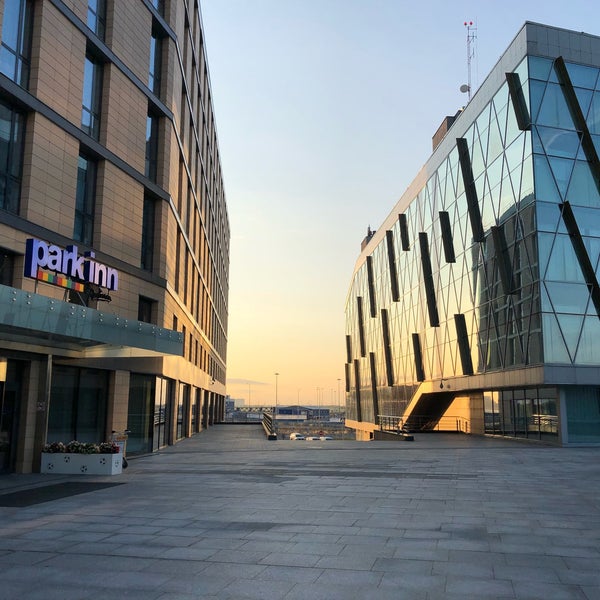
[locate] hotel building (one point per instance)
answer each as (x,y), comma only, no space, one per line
(114,233)
(476,305)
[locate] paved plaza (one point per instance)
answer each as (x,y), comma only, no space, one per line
(228,514)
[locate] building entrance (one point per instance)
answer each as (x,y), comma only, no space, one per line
(9,401)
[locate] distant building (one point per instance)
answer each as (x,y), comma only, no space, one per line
(476,304)
(114,233)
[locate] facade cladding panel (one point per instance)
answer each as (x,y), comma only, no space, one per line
(108,146)
(514,186)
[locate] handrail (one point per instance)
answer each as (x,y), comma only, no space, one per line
(269,426)
(396,424)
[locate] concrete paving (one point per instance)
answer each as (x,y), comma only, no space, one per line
(228,514)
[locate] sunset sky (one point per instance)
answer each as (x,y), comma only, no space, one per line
(325,111)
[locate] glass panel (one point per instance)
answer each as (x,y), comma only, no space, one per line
(96,17)
(84,201)
(11,158)
(78,407)
(539,68)
(568,297)
(554,346)
(548,216)
(548,415)
(545,187)
(588,220)
(582,76)
(558,142)
(90,105)
(561,169)
(554,111)
(593,118)
(563,264)
(587,352)
(583,413)
(583,190)
(570,326)
(16,40)
(140,415)
(584,97)
(536,92)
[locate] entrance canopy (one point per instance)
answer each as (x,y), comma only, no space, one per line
(35,323)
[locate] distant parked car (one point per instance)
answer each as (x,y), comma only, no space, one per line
(312,438)
(324,438)
(296,436)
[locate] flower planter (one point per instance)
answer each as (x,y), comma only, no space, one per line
(76,464)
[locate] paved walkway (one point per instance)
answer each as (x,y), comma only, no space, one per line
(228,514)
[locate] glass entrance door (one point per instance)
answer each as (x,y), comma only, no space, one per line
(9,397)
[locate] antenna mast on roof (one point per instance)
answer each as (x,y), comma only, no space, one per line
(471,37)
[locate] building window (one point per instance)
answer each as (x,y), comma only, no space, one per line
(16,41)
(151,146)
(154,71)
(148,226)
(84,203)
(11,157)
(96,17)
(146,310)
(7,266)
(158,5)
(92,91)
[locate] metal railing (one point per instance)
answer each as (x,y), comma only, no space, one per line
(269,426)
(413,423)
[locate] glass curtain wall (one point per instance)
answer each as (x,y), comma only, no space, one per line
(459,265)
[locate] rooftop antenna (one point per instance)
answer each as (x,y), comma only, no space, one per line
(471,37)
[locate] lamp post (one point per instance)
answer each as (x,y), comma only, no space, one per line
(339,399)
(276,400)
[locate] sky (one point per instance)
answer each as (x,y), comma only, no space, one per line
(325,110)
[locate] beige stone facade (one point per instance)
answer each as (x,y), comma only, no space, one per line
(111,147)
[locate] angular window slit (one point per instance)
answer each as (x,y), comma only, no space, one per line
(361,325)
(462,337)
(419,370)
(502,260)
(519,104)
(404,239)
(371,286)
(387,348)
(357,388)
(447,240)
(464,159)
(389,238)
(434,319)
(348,349)
(373,366)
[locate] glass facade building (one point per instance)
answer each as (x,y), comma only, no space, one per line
(476,305)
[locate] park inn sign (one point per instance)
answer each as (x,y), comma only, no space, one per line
(66,267)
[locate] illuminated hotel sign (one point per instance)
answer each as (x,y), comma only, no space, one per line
(66,268)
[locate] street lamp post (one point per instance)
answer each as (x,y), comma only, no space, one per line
(276,399)
(339,399)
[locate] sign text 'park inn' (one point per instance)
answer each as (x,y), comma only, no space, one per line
(70,269)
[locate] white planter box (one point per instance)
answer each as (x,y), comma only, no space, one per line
(77,464)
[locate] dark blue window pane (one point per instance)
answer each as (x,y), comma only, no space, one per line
(582,76)
(539,68)
(558,142)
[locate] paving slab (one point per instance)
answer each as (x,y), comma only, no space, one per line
(227,514)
